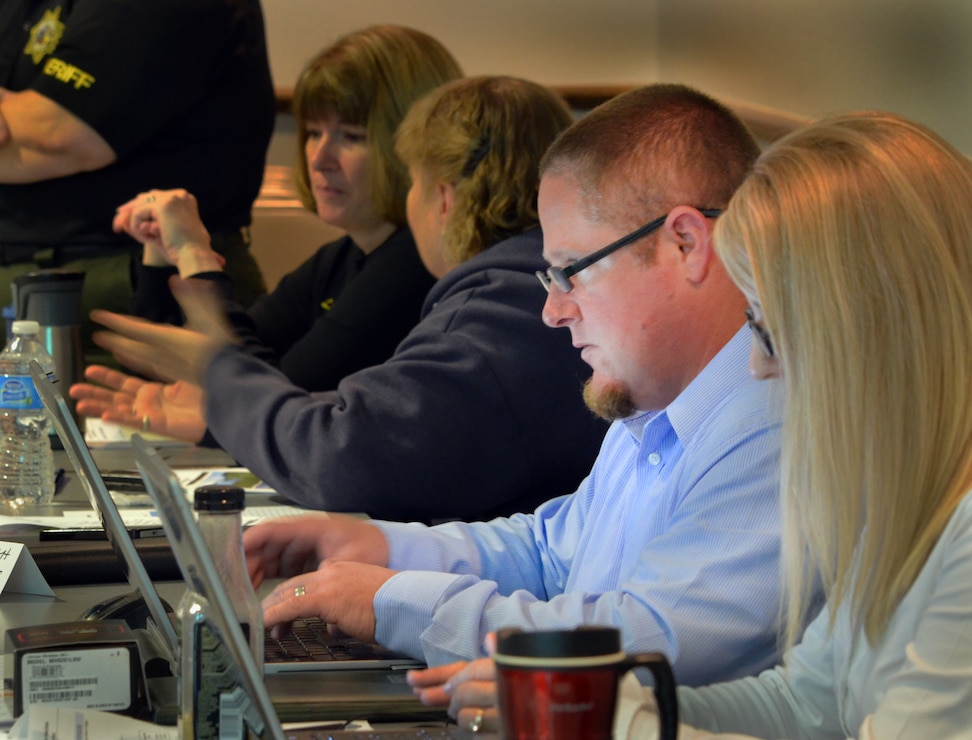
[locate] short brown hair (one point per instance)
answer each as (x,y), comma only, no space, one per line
(370,78)
(653,148)
(485,135)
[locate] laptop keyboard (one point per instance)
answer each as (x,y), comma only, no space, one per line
(309,642)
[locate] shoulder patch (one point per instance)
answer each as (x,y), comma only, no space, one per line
(45,35)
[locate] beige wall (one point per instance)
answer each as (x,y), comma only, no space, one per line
(551,41)
(801,56)
(813,57)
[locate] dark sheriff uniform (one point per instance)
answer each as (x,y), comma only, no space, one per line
(180,89)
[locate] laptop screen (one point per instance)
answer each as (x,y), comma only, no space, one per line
(199,572)
(48,387)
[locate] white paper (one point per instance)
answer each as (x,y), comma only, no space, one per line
(136,509)
(142,518)
(45,722)
(192,478)
(71,722)
(133,517)
(108,435)
(26,524)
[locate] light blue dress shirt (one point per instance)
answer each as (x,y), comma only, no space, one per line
(673,537)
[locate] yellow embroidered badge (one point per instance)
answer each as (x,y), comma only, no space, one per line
(45,35)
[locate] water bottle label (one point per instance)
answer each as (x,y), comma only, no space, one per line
(18,392)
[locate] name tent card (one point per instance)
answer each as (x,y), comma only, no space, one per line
(19,573)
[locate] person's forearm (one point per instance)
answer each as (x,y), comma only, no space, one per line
(193,259)
(46,141)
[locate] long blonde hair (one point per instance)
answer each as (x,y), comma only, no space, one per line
(855,235)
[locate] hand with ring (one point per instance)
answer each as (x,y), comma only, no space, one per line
(174,410)
(476,725)
(469,689)
(168,225)
(341,593)
(294,545)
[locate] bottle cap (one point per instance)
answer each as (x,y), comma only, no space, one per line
(219,498)
(25,326)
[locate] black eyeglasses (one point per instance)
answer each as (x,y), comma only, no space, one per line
(759,331)
(560,276)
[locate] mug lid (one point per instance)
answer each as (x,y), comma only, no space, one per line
(582,642)
(50,276)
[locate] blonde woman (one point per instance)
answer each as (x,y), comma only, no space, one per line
(852,240)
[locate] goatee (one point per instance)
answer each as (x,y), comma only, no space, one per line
(610,402)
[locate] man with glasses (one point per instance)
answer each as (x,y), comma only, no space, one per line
(674,535)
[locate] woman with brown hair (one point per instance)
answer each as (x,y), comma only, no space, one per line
(479,410)
(351,303)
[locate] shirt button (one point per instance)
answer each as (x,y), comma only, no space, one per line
(654,458)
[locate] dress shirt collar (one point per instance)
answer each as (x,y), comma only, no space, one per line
(730,367)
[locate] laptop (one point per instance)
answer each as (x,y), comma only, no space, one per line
(308,647)
(362,689)
(160,624)
(199,570)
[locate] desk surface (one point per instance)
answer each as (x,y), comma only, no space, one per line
(67,563)
(71,600)
(122,459)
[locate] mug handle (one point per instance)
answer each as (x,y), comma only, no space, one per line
(665,696)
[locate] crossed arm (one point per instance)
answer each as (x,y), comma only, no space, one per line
(41,140)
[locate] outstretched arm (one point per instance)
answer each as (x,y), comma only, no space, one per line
(172,409)
(167,352)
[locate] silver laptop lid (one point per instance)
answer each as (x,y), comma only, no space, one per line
(199,572)
(48,387)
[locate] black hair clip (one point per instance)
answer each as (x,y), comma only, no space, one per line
(478,155)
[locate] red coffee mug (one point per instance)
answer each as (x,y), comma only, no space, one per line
(563,684)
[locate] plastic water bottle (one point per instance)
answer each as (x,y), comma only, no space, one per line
(213,705)
(26,458)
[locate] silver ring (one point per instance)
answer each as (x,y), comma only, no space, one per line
(149,198)
(299,590)
(477,722)
(145,423)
